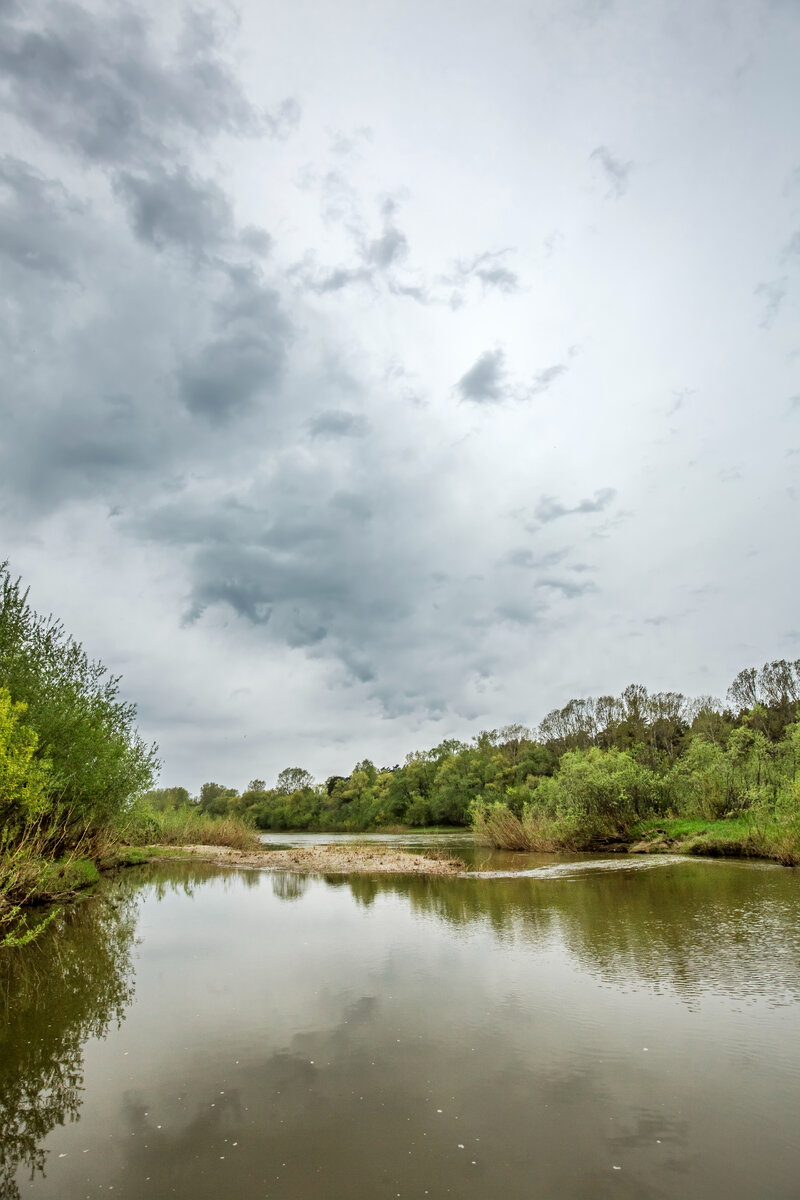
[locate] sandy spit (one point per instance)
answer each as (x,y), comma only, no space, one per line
(324,860)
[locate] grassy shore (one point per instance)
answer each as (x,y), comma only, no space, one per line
(31,879)
(733,837)
(745,836)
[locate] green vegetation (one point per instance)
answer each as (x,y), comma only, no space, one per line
(660,773)
(650,772)
(71,763)
(598,772)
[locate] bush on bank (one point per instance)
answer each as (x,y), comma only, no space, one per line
(71,761)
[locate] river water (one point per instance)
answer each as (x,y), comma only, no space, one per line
(622,1027)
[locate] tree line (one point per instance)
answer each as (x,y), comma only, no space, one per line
(637,753)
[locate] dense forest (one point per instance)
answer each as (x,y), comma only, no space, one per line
(589,771)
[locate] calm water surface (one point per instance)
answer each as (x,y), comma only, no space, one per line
(625,1028)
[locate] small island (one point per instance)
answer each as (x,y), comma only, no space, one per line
(325,860)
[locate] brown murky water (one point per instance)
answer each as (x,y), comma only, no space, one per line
(625,1030)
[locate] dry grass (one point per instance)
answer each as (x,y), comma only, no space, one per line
(184,827)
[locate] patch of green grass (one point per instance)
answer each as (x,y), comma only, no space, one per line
(674,828)
(67,875)
(744,836)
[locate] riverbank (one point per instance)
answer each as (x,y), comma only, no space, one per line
(730,837)
(323,860)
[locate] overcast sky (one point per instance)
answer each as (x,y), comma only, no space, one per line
(379,372)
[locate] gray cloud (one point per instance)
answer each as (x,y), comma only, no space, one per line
(378,258)
(245,359)
(382,261)
(773,293)
(489,269)
(486,380)
(524,557)
(335,280)
(550,509)
(100,84)
(793,247)
(544,379)
(337,423)
(519,613)
(391,247)
(35,214)
(570,588)
(330,525)
(172,207)
(616,171)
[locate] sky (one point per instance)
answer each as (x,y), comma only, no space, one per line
(378,373)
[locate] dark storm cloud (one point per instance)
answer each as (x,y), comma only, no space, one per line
(34,214)
(337,423)
(100,84)
(301,567)
(341,572)
(228,373)
(616,171)
(96,444)
(174,207)
(247,356)
(550,509)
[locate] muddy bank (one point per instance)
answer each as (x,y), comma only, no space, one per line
(323,860)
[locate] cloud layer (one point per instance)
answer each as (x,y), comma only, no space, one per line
(341,419)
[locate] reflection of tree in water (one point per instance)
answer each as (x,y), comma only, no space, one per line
(692,927)
(287,886)
(67,987)
(70,985)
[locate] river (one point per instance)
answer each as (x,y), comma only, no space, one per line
(562,1028)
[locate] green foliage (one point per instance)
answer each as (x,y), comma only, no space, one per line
(598,790)
(592,771)
(88,763)
(160,799)
(24,778)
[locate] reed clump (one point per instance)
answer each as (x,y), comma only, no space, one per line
(186,827)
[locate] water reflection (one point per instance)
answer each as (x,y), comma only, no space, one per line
(362,1036)
(69,986)
(690,926)
(72,984)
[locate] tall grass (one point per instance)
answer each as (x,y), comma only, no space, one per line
(186,827)
(496,825)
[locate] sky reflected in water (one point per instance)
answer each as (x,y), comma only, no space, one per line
(627,1033)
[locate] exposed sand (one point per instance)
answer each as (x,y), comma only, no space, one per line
(326,860)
